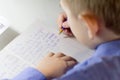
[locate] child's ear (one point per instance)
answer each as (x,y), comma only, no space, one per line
(91,22)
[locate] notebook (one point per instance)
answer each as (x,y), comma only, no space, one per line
(31,46)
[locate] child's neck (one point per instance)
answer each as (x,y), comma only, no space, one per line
(107,35)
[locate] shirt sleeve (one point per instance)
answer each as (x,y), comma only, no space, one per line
(30,74)
(79,72)
(107,69)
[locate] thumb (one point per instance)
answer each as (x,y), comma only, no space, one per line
(71,64)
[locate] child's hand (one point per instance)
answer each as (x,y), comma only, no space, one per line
(62,22)
(55,65)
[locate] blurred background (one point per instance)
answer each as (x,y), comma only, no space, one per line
(22,13)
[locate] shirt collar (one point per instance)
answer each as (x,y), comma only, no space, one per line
(111,48)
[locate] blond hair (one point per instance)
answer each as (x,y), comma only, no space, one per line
(108,10)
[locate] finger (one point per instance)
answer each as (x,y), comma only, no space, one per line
(60,21)
(70,64)
(65,24)
(50,54)
(68,32)
(68,58)
(62,17)
(59,55)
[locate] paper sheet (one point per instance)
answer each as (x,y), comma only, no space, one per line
(10,66)
(35,46)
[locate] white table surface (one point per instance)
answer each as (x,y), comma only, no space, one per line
(21,13)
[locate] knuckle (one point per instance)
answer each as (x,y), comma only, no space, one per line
(51,53)
(60,53)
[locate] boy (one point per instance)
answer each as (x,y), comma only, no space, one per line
(95,23)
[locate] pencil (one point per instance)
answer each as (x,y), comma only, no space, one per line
(61,30)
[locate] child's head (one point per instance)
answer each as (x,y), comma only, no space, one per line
(93,21)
